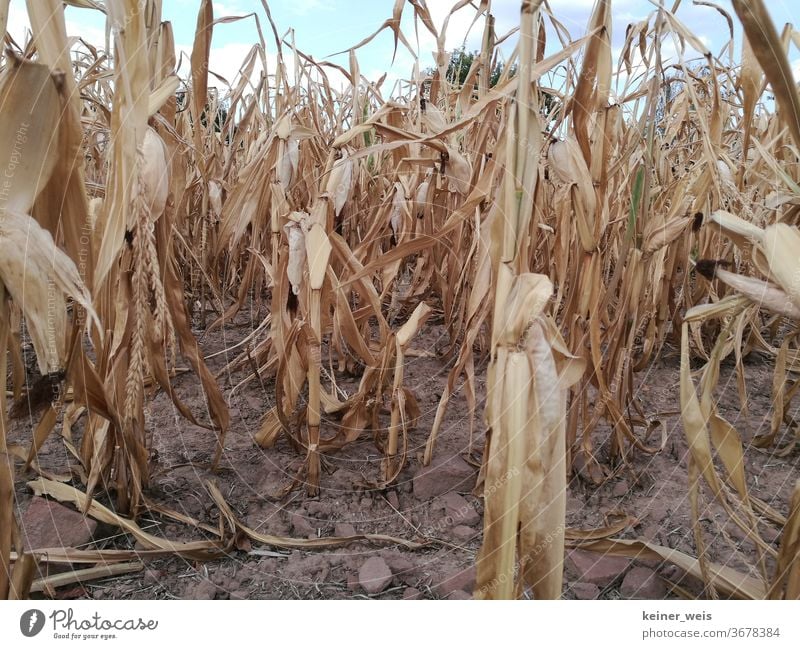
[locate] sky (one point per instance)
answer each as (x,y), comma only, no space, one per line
(324,27)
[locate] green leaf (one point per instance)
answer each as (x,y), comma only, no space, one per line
(638,185)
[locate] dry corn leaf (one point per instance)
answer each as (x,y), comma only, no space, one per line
(728,581)
(47,584)
(771,55)
(66,493)
(38,275)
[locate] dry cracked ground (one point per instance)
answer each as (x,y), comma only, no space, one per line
(433,503)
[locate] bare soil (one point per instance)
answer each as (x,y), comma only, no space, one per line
(653,489)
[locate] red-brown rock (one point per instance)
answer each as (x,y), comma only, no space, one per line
(459,594)
(457,510)
(463,580)
(412,593)
(48,524)
(620,489)
(301,525)
(344,529)
(374,575)
(464,533)
(202,590)
(643,583)
(443,474)
(582,590)
(598,569)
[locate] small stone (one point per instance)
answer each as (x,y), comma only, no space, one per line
(405,485)
(770,534)
(247,572)
(152,577)
(48,524)
(463,579)
(352,581)
(393,500)
(302,526)
(270,486)
(652,533)
(672,572)
(589,470)
(374,575)
(583,590)
(598,569)
(464,533)
(343,480)
(411,593)
(201,590)
(654,564)
(686,581)
(459,594)
(458,511)
(258,404)
(240,594)
(400,565)
(442,475)
(344,529)
(322,574)
(318,509)
(224,583)
(574,504)
(620,489)
(642,583)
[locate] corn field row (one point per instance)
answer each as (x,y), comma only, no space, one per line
(567,246)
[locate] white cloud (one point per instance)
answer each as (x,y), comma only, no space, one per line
(224,60)
(303,7)
(227,61)
(92,35)
(229,8)
(19,26)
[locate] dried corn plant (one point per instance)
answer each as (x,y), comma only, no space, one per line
(34,273)
(767,250)
(774,251)
(557,223)
(136,309)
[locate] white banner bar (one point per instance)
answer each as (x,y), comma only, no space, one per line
(393,624)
